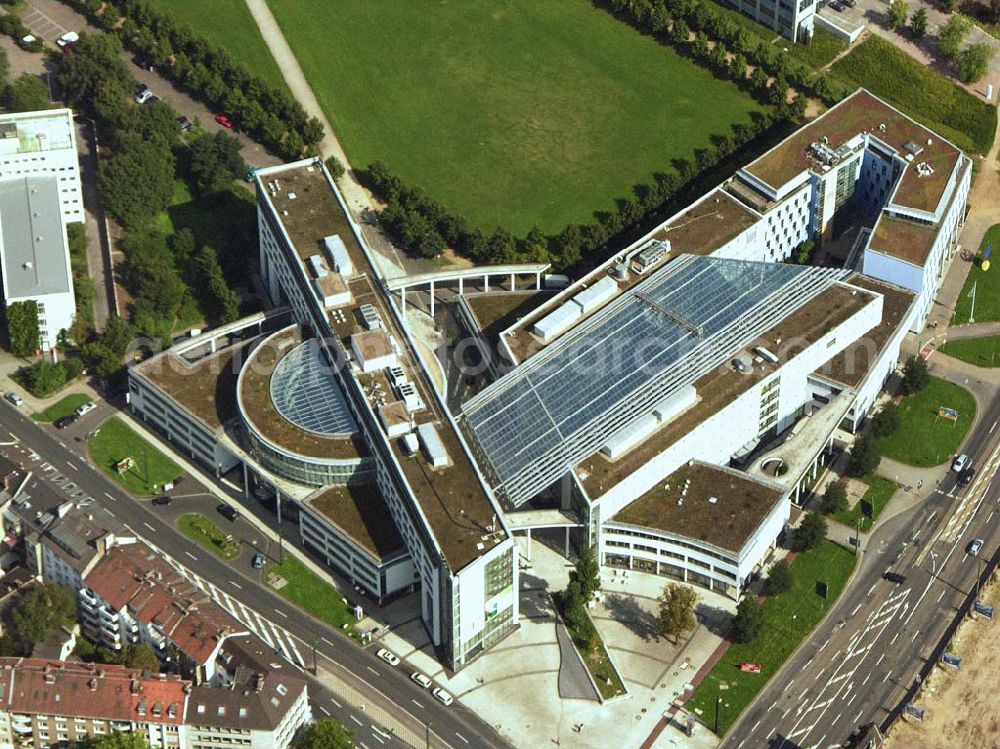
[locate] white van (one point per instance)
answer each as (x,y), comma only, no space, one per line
(68,38)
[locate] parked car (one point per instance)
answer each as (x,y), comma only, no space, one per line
(257,561)
(975,547)
(966,476)
(184,123)
(959,463)
(14,398)
(850,3)
(142,95)
(421,679)
(85,408)
(895,577)
(224,121)
(64,421)
(228,512)
(162,500)
(836,6)
(70,37)
(442,696)
(388,657)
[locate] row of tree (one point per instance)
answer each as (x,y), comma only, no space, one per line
(973,61)
(270,114)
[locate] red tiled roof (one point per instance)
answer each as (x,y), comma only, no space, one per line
(132,577)
(83,690)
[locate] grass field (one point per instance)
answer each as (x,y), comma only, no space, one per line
(987,284)
(307,591)
(870,506)
(227,24)
(208,535)
(925,439)
(928,97)
(63,407)
(789,617)
(509,112)
(983,351)
(115,442)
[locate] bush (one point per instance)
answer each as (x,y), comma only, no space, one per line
(23,330)
(335,166)
(952,35)
(864,457)
(779,579)
(27,94)
(886,420)
(915,375)
(834,498)
(749,620)
(974,62)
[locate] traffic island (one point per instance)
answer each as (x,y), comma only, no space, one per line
(206,534)
(129,459)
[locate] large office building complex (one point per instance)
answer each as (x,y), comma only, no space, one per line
(793,19)
(666,410)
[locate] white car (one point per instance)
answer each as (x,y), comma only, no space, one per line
(961,461)
(14,398)
(388,657)
(68,38)
(975,547)
(420,679)
(143,95)
(442,696)
(85,408)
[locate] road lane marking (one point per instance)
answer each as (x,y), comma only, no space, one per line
(282,613)
(880,659)
(236,585)
(356,721)
(373,670)
(884,680)
(871,589)
(191,555)
(110,497)
(328,642)
(72,466)
(324,711)
(334,701)
(942,595)
(866,679)
(416,703)
(461,737)
(755,726)
(893,640)
(150,527)
(856,608)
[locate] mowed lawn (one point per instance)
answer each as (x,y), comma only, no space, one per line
(925,439)
(227,24)
(986,282)
(509,112)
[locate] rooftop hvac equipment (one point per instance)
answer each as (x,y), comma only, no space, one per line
(651,255)
(558,320)
(317,266)
(396,376)
(410,443)
(433,446)
(371,317)
(915,148)
(600,292)
(825,155)
(763,353)
(339,256)
(619,271)
(627,438)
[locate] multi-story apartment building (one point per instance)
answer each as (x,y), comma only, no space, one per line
(793,19)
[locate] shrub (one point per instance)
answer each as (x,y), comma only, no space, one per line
(974,62)
(43,378)
(952,35)
(779,579)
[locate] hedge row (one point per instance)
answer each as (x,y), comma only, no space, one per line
(271,115)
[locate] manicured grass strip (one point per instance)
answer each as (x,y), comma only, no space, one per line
(605,675)
(925,439)
(509,112)
(208,535)
(789,617)
(987,284)
(309,592)
(918,91)
(115,442)
(64,407)
(983,352)
(870,506)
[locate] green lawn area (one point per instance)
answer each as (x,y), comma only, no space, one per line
(925,439)
(923,94)
(63,407)
(509,112)
(870,506)
(789,617)
(227,24)
(311,593)
(208,535)
(987,285)
(115,442)
(983,351)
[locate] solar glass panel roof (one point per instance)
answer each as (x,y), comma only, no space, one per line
(540,419)
(304,392)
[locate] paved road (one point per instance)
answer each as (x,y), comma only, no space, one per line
(292,632)
(859,662)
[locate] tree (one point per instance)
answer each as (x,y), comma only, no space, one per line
(115,740)
(952,35)
(97,60)
(915,375)
(151,277)
(749,620)
(4,68)
(118,334)
(224,302)
(43,378)
(41,609)
(834,498)
(27,94)
(142,657)
(810,533)
(325,734)
(23,330)
(865,456)
(137,182)
(335,166)
(587,574)
(918,22)
(974,62)
(779,579)
(676,613)
(101,358)
(898,13)
(948,6)
(215,162)
(886,420)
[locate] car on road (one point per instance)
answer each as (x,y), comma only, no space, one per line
(959,463)
(388,657)
(70,37)
(162,500)
(422,679)
(895,577)
(224,121)
(228,512)
(257,561)
(184,123)
(442,696)
(143,94)
(975,547)
(966,476)
(64,421)
(85,408)
(14,398)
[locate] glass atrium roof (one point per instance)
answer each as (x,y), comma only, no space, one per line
(305,392)
(555,409)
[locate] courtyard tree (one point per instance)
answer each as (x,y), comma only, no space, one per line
(834,498)
(41,609)
(114,740)
(864,457)
(587,574)
(915,375)
(810,533)
(952,36)
(779,579)
(886,420)
(676,616)
(749,620)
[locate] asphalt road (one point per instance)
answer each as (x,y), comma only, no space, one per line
(859,662)
(389,689)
